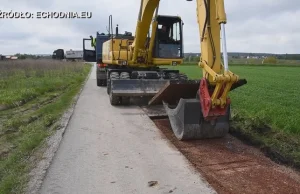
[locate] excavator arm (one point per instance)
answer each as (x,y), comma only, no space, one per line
(147,9)
(211,18)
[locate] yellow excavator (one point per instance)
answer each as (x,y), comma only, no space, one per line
(197,109)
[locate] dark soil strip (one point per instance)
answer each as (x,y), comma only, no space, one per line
(233,167)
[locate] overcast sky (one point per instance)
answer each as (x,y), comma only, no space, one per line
(253,26)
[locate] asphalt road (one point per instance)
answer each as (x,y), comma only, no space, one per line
(113,150)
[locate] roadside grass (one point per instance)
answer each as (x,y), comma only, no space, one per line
(265,111)
(33,96)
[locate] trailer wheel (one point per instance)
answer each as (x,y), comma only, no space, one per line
(114,100)
(183,76)
(99,82)
(108,86)
(125,100)
(113,75)
(124,75)
(105,82)
(173,76)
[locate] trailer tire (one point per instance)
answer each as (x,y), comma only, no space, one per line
(173,76)
(108,86)
(125,100)
(183,76)
(105,82)
(114,100)
(99,82)
(112,75)
(124,75)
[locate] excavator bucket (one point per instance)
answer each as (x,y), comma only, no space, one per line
(183,108)
(187,121)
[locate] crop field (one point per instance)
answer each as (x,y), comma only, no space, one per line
(265,111)
(237,61)
(261,61)
(33,96)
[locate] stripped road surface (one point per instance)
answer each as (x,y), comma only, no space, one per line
(231,167)
(109,149)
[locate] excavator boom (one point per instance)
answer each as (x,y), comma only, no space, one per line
(147,9)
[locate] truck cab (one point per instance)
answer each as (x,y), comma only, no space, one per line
(58,54)
(94,54)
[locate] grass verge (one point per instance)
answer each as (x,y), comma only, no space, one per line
(33,97)
(265,111)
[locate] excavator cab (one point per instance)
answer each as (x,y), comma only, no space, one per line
(168,39)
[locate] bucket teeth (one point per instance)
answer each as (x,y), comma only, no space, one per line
(187,121)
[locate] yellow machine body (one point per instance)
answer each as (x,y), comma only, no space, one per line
(117,52)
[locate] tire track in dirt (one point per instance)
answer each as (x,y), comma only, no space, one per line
(233,167)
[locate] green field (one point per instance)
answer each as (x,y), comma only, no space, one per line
(243,61)
(33,96)
(266,111)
